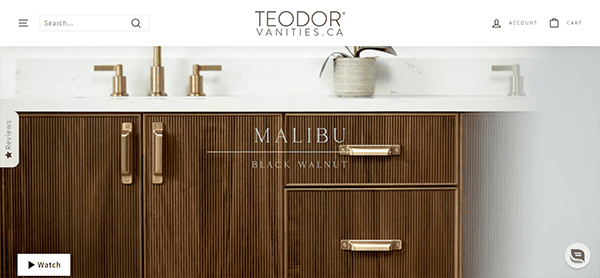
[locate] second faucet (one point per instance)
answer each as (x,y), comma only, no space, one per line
(157,78)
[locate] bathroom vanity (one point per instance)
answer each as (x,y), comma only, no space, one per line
(239,194)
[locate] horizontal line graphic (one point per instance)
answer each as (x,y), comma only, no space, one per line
(235,152)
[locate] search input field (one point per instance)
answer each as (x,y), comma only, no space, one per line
(97,23)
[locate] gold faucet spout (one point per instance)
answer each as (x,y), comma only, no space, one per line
(157,56)
(157,75)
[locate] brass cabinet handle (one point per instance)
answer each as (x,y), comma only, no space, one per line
(369,150)
(157,152)
(126,176)
(371,245)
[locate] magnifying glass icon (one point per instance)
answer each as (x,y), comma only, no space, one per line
(135,23)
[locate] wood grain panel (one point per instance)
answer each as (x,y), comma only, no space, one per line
(214,215)
(317,219)
(66,195)
(429,145)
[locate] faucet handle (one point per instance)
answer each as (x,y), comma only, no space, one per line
(197,68)
(514,68)
(119,81)
(516,78)
(196,79)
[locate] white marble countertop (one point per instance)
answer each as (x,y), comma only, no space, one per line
(273,104)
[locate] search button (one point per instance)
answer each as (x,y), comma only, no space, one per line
(136,23)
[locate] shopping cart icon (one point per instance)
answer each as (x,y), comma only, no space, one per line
(554,23)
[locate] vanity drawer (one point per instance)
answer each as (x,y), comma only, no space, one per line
(423,219)
(428,149)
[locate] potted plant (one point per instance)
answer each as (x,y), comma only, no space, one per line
(354,76)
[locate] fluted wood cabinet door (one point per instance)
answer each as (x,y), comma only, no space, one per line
(423,219)
(428,149)
(67,196)
(215,214)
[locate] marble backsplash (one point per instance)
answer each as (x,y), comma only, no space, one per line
(276,71)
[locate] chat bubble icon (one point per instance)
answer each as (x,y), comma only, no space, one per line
(577,256)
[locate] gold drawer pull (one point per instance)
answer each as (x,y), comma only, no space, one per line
(126,176)
(157,152)
(372,245)
(369,150)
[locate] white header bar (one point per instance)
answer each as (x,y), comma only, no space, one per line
(306,23)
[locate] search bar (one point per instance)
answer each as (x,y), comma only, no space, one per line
(97,23)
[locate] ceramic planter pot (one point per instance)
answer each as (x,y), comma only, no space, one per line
(354,77)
